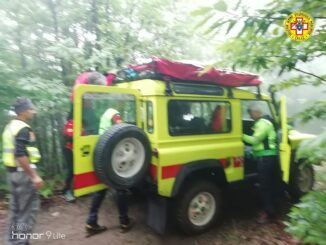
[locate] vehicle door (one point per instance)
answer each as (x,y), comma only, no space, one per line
(284,146)
(89,104)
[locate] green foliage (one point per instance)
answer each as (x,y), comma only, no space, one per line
(298,81)
(48,189)
(313,150)
(51,183)
(308,219)
(258,42)
(3,179)
(220,6)
(316,110)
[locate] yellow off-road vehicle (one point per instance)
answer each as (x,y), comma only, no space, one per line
(183,139)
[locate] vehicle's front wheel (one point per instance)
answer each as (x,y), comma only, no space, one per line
(198,207)
(301,180)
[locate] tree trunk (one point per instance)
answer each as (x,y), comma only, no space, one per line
(95,23)
(59,122)
(54,159)
(53,7)
(19,43)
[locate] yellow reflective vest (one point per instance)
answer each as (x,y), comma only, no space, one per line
(9,137)
(106,120)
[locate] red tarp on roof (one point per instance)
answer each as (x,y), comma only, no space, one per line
(189,72)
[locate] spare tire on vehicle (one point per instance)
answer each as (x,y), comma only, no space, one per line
(122,156)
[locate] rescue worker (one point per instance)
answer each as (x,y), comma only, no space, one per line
(109,118)
(68,154)
(20,156)
(264,150)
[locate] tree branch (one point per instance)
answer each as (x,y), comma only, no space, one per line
(264,17)
(311,74)
(237,16)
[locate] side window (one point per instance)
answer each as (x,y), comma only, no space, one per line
(198,117)
(95,105)
(247,121)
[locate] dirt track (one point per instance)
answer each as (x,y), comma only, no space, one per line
(237,225)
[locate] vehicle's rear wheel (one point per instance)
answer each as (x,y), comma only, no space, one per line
(301,180)
(122,156)
(198,207)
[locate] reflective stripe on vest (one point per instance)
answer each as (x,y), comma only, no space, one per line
(8,136)
(8,150)
(34,154)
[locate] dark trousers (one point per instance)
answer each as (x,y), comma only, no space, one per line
(68,154)
(24,205)
(97,200)
(269,174)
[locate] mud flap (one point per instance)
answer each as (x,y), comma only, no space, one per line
(158,213)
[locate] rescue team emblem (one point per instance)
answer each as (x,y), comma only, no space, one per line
(299,26)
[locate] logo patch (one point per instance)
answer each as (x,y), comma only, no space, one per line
(299,26)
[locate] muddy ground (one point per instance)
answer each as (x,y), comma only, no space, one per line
(64,224)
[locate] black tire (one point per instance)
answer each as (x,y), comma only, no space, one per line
(301,180)
(191,193)
(125,137)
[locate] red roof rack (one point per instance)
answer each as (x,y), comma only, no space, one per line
(167,70)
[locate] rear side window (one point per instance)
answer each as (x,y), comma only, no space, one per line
(198,117)
(247,121)
(263,105)
(150,118)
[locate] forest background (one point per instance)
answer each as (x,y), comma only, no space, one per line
(45,44)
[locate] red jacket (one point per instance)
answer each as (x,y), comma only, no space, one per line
(68,132)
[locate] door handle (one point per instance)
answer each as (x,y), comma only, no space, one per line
(86,149)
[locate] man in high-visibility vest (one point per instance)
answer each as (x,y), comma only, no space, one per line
(264,150)
(109,118)
(20,156)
